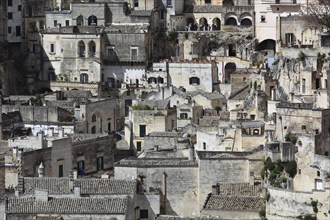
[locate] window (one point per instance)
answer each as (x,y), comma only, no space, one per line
(93,118)
(51,76)
(285,127)
(138,146)
(67,23)
(194,81)
(18,31)
(318,173)
(60,171)
(143,213)
(84,78)
(99,163)
(162,14)
(92,20)
(207,1)
(136,3)
(169,2)
(81,48)
(318,184)
(142,130)
(19,8)
(183,115)
(134,53)
(81,168)
(303,127)
(299,171)
(10,2)
(263,17)
(30,11)
(289,38)
(303,89)
(52,48)
(55,23)
(9,30)
(204,146)
(10,15)
(111,54)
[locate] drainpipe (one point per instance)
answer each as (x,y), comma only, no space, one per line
(165,191)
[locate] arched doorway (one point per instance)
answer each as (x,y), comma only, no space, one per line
(246,22)
(190,24)
(267,44)
(216,24)
(231,21)
(80,20)
(229,69)
(92,20)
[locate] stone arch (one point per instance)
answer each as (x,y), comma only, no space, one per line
(92,20)
(231,21)
(229,69)
(81,48)
(91,48)
(267,44)
(246,22)
(216,24)
(190,21)
(203,25)
(80,20)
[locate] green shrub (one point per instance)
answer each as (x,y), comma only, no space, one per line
(291,168)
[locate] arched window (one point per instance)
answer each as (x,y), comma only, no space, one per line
(229,69)
(92,48)
(194,81)
(216,24)
(81,48)
(231,21)
(92,20)
(93,118)
(80,20)
(203,25)
(246,22)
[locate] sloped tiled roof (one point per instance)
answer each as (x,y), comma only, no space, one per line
(52,185)
(234,203)
(105,186)
(67,206)
(239,189)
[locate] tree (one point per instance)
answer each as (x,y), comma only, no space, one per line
(291,168)
(317,13)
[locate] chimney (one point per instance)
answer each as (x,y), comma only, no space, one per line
(50,132)
(191,153)
(60,132)
(40,136)
(41,170)
(216,189)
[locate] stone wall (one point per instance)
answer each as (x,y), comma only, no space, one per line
(182,186)
(291,204)
(212,171)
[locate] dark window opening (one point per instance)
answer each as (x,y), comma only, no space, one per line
(84,78)
(60,171)
(93,130)
(142,130)
(10,15)
(99,163)
(81,168)
(194,81)
(144,213)
(138,146)
(183,115)
(18,31)
(93,118)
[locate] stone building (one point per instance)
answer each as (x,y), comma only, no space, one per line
(90,155)
(146,117)
(15,21)
(71,198)
(186,183)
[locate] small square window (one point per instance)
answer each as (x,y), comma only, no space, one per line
(67,23)
(303,127)
(285,127)
(143,213)
(299,171)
